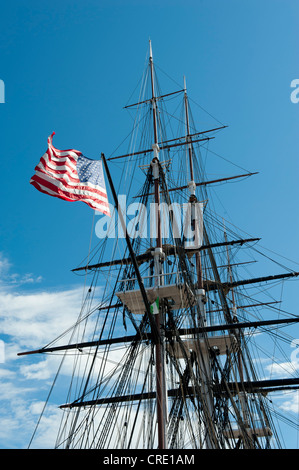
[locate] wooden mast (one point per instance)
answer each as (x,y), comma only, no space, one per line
(192,185)
(161,396)
(203,358)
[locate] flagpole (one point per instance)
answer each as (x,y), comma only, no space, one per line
(154,328)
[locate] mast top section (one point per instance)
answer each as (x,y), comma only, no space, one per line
(151,51)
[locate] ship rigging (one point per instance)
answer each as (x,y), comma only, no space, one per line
(163,359)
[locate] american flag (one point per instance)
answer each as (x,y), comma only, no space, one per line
(69,175)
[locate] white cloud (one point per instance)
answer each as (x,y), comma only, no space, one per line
(30,320)
(4,266)
(8,279)
(34,319)
(292,403)
(283,369)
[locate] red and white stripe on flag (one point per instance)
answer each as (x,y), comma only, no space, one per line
(69,175)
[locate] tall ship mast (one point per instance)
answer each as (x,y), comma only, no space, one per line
(162,352)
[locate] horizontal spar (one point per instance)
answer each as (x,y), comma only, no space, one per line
(188,140)
(237,326)
(139,258)
(181,331)
(212,285)
(243,307)
(259,385)
(202,183)
(170,251)
(86,344)
(163,147)
(248,386)
(151,99)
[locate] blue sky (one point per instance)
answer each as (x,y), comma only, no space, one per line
(70,67)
